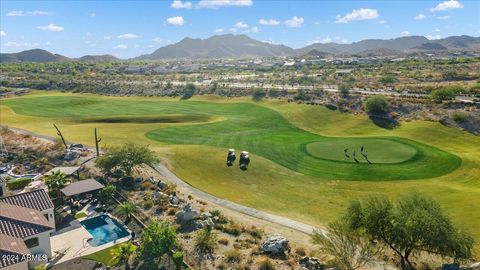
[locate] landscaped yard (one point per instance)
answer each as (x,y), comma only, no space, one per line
(104,256)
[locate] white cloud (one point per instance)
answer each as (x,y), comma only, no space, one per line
(180,4)
(128,36)
(381,22)
(405,34)
(436,30)
(121,46)
(2,33)
(270,22)
(222,3)
(432,37)
(22,44)
(107,37)
(241,24)
(358,15)
(157,40)
(219,30)
(326,39)
(449,4)
(233,29)
(21,13)
(420,17)
(446,17)
(51,27)
(254,29)
(177,20)
(93,14)
(294,22)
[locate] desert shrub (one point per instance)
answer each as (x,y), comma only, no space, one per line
(233,256)
(18,183)
(219,217)
(376,104)
(189,91)
(258,94)
(300,251)
(223,240)
(344,89)
(254,232)
(447,93)
(265,263)
(171,211)
(460,117)
(387,79)
(147,185)
(177,258)
(205,240)
(232,228)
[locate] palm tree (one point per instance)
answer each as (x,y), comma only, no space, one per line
(123,253)
(127,209)
(55,182)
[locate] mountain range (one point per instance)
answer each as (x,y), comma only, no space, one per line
(242,46)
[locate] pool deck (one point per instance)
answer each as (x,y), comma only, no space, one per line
(74,244)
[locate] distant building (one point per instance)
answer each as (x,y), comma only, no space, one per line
(26,222)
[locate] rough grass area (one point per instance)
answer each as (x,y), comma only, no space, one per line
(268,184)
(104,256)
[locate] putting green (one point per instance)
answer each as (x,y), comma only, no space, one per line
(377,150)
(245,126)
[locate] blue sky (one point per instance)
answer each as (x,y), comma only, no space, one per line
(130,28)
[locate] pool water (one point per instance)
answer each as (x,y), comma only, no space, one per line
(104,230)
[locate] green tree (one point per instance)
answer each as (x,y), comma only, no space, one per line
(123,253)
(188,91)
(127,209)
(106,194)
(344,89)
(387,79)
(126,158)
(56,181)
(258,94)
(414,224)
(351,250)
(158,240)
(376,104)
(443,94)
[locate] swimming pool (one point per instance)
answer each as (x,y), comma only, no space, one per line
(104,230)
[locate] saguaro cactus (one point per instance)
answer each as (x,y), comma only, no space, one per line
(59,133)
(97,140)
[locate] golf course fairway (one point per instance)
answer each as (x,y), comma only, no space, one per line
(298,164)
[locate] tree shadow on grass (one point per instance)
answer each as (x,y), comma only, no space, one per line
(384,120)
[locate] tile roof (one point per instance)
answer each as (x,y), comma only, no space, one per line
(13,244)
(21,222)
(8,258)
(36,199)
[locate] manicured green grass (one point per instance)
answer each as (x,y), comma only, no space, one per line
(104,256)
(246,126)
(80,215)
(268,184)
(374,149)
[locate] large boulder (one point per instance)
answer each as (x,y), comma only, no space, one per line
(71,155)
(274,244)
(475,266)
(187,214)
(311,263)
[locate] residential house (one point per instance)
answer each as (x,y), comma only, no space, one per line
(26,222)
